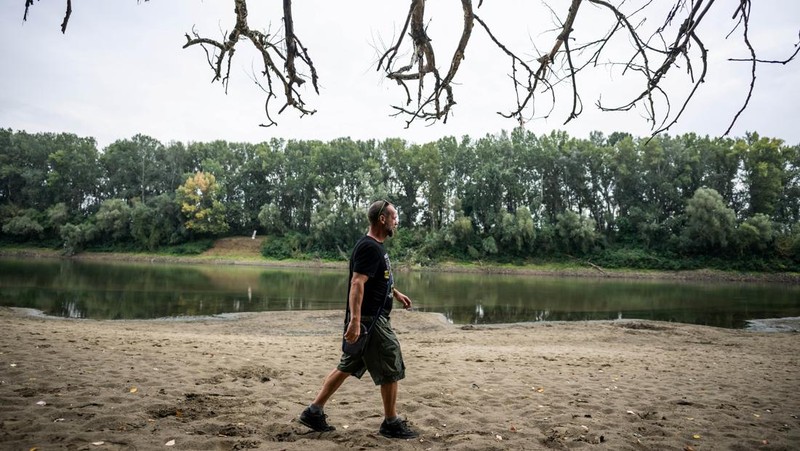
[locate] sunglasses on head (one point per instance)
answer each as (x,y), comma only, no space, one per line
(385,203)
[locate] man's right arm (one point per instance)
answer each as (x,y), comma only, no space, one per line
(356,298)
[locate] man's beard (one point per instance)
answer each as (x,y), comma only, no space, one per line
(390,232)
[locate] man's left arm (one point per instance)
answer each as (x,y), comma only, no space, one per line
(400,297)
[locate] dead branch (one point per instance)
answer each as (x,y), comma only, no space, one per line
(437,103)
(527,81)
(284,77)
(67,14)
(675,43)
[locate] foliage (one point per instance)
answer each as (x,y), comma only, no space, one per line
(291,245)
(76,236)
(269,217)
(113,220)
(756,234)
(667,202)
(198,198)
(709,222)
(25,225)
(577,232)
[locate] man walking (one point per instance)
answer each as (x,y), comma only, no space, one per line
(369,300)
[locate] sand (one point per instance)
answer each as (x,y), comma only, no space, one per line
(239,382)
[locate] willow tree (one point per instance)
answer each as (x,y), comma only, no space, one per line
(641,38)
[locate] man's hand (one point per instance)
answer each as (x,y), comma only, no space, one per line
(352,332)
(405,300)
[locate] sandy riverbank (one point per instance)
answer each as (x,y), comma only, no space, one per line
(239,383)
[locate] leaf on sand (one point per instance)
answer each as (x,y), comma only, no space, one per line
(696,436)
(134,389)
(170,443)
(41,403)
(499,437)
(98,443)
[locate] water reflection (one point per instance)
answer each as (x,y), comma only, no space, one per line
(77,289)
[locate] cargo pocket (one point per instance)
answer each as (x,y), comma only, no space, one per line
(392,367)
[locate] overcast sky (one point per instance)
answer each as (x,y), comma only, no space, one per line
(120,70)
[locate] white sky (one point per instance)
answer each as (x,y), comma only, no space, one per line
(120,70)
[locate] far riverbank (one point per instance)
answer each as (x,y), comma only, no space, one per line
(233,257)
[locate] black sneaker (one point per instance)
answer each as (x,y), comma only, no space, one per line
(398,429)
(315,421)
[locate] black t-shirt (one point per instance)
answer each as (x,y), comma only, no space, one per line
(369,257)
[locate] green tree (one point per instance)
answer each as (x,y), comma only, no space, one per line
(10,178)
(577,232)
(548,167)
(23,170)
(296,187)
(710,223)
(76,236)
(764,164)
(56,216)
(722,158)
(134,168)
(335,226)
(113,220)
(270,219)
(157,222)
(25,226)
(260,180)
(404,163)
(756,234)
(74,173)
(460,233)
(628,187)
(788,209)
(515,232)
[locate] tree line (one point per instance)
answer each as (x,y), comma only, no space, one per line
(618,201)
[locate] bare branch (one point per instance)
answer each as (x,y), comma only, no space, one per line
(67,14)
(66,17)
(675,42)
(288,77)
(435,104)
(700,80)
(744,9)
(532,78)
(654,75)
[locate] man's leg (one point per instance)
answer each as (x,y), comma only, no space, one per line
(314,416)
(389,396)
(332,383)
(392,426)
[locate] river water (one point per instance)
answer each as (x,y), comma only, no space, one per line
(116,290)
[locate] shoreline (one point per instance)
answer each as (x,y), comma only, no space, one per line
(588,272)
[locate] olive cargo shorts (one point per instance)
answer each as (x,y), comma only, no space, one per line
(381,357)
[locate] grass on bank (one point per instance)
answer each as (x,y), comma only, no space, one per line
(634,263)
